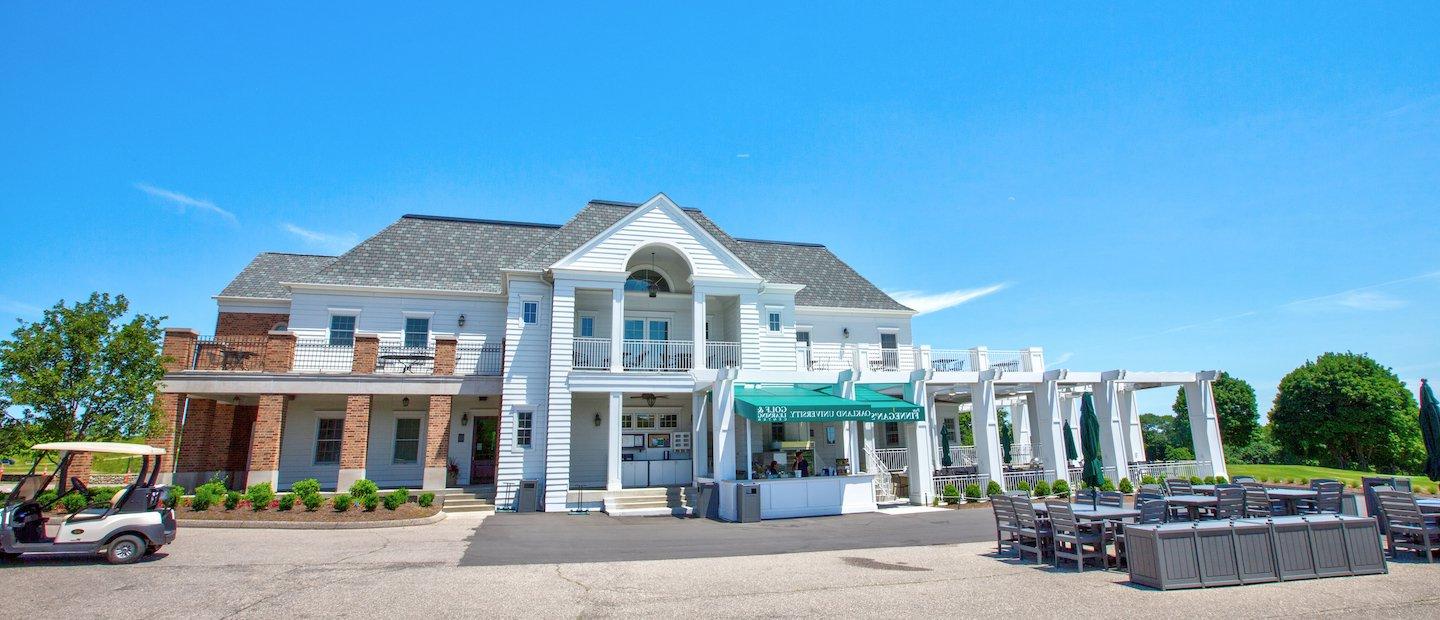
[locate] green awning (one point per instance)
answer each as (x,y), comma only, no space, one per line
(799,404)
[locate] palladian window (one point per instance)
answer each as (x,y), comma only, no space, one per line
(641,280)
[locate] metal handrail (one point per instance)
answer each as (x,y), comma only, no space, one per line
(884,483)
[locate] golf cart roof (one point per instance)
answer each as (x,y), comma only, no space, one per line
(112,447)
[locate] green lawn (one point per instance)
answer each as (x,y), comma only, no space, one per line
(104,463)
(1285,473)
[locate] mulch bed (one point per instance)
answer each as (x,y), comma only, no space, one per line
(325,514)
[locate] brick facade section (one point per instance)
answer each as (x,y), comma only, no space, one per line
(247,323)
(195,436)
(171,407)
(279,352)
(265,436)
(444,356)
(179,349)
(437,435)
(243,425)
(356,434)
(79,468)
(367,352)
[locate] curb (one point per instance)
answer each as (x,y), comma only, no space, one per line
(216,524)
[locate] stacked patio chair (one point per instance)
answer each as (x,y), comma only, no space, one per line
(1032,534)
(1258,502)
(1005,523)
(1327,498)
(1151,511)
(1072,537)
(1406,525)
(1114,499)
(1179,486)
(1229,502)
(1371,484)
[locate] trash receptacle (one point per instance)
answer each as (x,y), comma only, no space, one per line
(747,502)
(527,499)
(707,502)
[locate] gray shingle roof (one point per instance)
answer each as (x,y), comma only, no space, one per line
(458,254)
(262,277)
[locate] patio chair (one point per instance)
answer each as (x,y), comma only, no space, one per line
(1032,533)
(1157,489)
(1327,498)
(1113,499)
(1005,525)
(1229,502)
(1179,486)
(1258,502)
(1146,495)
(1151,511)
(1071,537)
(1408,527)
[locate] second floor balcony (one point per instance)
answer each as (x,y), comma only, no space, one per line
(283,352)
(652,355)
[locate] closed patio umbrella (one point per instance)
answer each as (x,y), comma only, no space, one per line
(1070,454)
(1430,430)
(945,460)
(1093,473)
(1007,438)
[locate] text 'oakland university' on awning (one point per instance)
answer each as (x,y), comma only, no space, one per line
(796,403)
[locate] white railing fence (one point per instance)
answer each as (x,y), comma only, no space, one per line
(1168,469)
(722,354)
(658,355)
(478,359)
(823,356)
(1030,477)
(1006,360)
(899,358)
(318,355)
(961,456)
(949,359)
(1024,453)
(960,482)
(892,459)
(591,354)
(884,484)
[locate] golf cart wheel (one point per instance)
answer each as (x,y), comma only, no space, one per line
(125,549)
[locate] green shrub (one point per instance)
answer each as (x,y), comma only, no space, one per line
(993,488)
(1126,487)
(1221,480)
(308,486)
(397,498)
(101,496)
(1023,486)
(312,501)
(1106,485)
(1289,481)
(935,502)
(950,494)
(1042,488)
(74,502)
(1061,488)
(362,488)
(232,499)
(1304,481)
(1209,479)
(1197,480)
(972,492)
(260,495)
(287,501)
(214,488)
(342,502)
(369,502)
(1148,479)
(173,496)
(202,502)
(47,499)
(426,499)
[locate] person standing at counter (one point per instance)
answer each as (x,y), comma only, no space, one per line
(802,465)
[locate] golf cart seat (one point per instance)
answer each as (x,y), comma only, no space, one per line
(90,514)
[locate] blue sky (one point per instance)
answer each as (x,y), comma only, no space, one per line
(1235,186)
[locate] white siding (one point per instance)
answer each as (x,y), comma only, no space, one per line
(750,331)
(828,327)
(777,348)
(588,443)
(385,315)
(524,383)
(380,465)
(297,444)
(557,429)
(660,225)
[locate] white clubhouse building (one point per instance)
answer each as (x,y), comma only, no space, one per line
(612,362)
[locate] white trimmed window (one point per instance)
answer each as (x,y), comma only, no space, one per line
(329,432)
(530,312)
(524,428)
(417,332)
(587,326)
(407,441)
(342,330)
(774,321)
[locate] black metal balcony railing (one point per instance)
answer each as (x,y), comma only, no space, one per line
(238,353)
(478,359)
(318,355)
(400,359)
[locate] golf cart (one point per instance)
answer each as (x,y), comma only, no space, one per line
(135,524)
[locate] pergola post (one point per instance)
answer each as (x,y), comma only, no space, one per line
(1205,422)
(1020,425)
(1112,433)
(985,422)
(1130,419)
(1050,421)
(918,451)
(722,423)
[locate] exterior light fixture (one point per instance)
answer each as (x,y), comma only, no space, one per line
(235,400)
(649,399)
(597,419)
(464,418)
(653,288)
(405,402)
(461,322)
(845,331)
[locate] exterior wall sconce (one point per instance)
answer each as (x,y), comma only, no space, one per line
(405,402)
(464,418)
(845,331)
(597,419)
(461,322)
(653,288)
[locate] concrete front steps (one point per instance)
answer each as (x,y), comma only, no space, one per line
(470,499)
(650,502)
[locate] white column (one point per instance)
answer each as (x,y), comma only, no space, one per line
(617,329)
(1130,418)
(985,422)
(701,355)
(612,435)
(918,451)
(1205,422)
(1112,433)
(750,327)
(699,438)
(558,406)
(1020,424)
(722,422)
(980,359)
(867,431)
(1050,426)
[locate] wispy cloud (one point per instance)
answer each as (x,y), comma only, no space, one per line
(334,243)
(1412,106)
(183,202)
(1060,359)
(925,303)
(19,308)
(742,156)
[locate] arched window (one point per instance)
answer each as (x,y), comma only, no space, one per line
(641,280)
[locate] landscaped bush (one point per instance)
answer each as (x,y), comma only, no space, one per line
(308,486)
(972,492)
(1148,479)
(951,494)
(1304,481)
(1196,480)
(173,496)
(1289,481)
(426,499)
(74,502)
(1061,488)
(993,488)
(397,498)
(287,501)
(1106,485)
(47,499)
(260,495)
(214,488)
(101,496)
(342,502)
(362,488)
(1042,488)
(1126,487)
(369,502)
(232,499)
(1221,480)
(1023,486)
(202,502)
(1209,479)
(312,501)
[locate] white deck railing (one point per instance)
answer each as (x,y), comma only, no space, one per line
(899,358)
(1030,477)
(960,483)
(949,359)
(591,354)
(1168,469)
(961,456)
(318,355)
(884,484)
(1011,361)
(823,356)
(720,354)
(892,459)
(658,355)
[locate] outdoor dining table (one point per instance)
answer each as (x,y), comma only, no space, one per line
(1203,489)
(1192,502)
(1428,506)
(1099,513)
(1290,497)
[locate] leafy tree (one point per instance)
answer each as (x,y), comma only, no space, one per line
(1235,407)
(1346,409)
(1155,431)
(1007,436)
(81,373)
